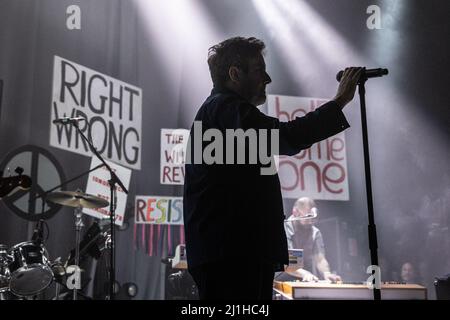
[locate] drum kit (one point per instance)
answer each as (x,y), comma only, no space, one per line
(26,270)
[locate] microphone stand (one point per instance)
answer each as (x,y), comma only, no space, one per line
(38,233)
(112,205)
(44,194)
(373,243)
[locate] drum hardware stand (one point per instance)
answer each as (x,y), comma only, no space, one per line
(78,226)
(58,276)
(58,290)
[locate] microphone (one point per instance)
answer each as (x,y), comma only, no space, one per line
(67,120)
(369,73)
(313,213)
(310,216)
(38,235)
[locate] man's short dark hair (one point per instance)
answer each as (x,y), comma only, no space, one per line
(235,51)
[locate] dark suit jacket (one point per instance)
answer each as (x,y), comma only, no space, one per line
(232,212)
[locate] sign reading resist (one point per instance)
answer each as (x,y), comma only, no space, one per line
(158,210)
(112,109)
(319,172)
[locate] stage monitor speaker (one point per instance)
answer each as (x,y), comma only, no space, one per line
(442,287)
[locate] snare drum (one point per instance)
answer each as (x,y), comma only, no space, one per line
(5,260)
(30,269)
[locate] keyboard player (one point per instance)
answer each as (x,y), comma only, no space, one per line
(302,234)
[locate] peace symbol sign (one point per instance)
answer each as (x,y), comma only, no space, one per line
(45,172)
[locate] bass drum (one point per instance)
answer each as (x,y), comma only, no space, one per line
(30,269)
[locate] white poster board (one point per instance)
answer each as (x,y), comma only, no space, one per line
(158,210)
(98,186)
(173,155)
(112,110)
(319,172)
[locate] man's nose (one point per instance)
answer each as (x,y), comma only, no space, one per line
(268,79)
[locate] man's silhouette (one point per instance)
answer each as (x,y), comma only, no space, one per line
(233,215)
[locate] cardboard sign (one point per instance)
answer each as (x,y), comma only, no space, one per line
(112,110)
(159,210)
(98,185)
(319,172)
(173,155)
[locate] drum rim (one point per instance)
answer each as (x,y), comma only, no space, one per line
(22,244)
(32,266)
(37,265)
(28,294)
(15,248)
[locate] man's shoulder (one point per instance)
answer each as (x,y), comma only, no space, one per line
(225,98)
(222,105)
(213,102)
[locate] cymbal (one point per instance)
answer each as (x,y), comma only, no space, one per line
(76,199)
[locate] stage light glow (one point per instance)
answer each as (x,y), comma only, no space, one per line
(163,38)
(311,49)
(329,46)
(301,65)
(181,31)
(386,44)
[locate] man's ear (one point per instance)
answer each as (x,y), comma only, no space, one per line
(235,74)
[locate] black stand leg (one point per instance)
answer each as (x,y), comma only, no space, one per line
(78,226)
(373,243)
(112,266)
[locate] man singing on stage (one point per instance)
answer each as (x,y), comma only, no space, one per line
(233,212)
